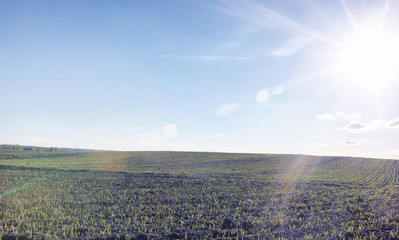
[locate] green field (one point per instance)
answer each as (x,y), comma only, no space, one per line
(61,194)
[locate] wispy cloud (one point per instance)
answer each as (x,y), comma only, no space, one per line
(262,95)
(339,115)
(396,155)
(317,144)
(359,127)
(325,116)
(210,57)
(354,141)
(278,90)
(232,44)
(348,116)
(291,46)
(227,109)
(356,125)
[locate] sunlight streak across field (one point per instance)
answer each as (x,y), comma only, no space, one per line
(294,178)
(21,187)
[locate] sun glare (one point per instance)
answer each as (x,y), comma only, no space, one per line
(370,59)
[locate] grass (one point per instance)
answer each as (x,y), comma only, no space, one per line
(183,195)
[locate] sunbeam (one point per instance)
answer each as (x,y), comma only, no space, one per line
(349,14)
(252,12)
(365,55)
(299,172)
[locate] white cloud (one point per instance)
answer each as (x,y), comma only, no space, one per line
(262,95)
(227,109)
(170,130)
(325,116)
(393,123)
(356,125)
(277,90)
(359,127)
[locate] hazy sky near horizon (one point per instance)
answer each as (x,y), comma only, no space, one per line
(313,77)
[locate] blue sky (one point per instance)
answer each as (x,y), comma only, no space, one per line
(230,76)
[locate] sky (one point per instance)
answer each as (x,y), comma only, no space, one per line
(292,76)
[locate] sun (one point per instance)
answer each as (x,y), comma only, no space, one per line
(369,59)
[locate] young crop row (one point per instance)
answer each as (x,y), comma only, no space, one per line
(158,195)
(356,170)
(88,205)
(74,205)
(359,170)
